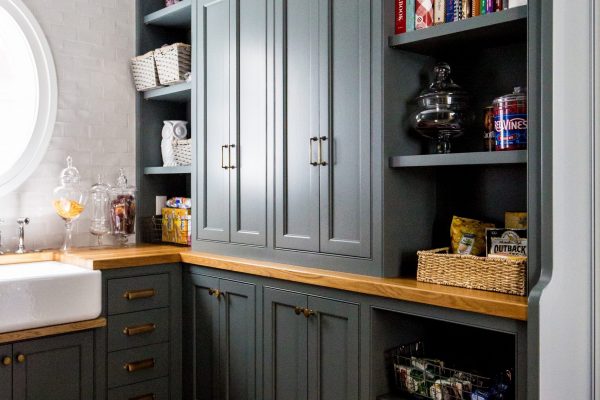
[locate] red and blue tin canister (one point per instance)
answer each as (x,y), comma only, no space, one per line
(510,120)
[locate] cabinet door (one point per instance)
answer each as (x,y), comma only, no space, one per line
(296,122)
(213,113)
(6,373)
(345,126)
(203,316)
(238,340)
(59,367)
(333,349)
(285,352)
(249,123)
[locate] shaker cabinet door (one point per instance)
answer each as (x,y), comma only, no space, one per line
(285,351)
(214,114)
(333,349)
(345,127)
(249,123)
(60,367)
(296,43)
(6,361)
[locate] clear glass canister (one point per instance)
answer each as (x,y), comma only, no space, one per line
(99,204)
(122,209)
(69,199)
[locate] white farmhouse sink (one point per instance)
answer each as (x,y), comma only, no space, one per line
(47,293)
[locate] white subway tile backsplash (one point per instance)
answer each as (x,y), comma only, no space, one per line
(92,42)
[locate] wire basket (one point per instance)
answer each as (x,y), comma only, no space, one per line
(152,229)
(426,378)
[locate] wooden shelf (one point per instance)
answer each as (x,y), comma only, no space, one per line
(477,158)
(175,16)
(488,30)
(180,93)
(168,170)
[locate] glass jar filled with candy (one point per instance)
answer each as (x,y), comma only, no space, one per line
(122,209)
(69,199)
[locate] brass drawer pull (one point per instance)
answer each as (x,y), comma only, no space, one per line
(304,311)
(147,396)
(6,361)
(139,294)
(139,329)
(215,293)
(139,365)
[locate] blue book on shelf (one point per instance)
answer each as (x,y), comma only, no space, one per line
(410,15)
(449,10)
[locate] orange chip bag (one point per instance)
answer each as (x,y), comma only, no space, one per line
(470,228)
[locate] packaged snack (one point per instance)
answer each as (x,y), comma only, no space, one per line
(176,226)
(473,232)
(515,220)
(508,242)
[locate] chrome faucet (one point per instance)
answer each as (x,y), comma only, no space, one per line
(22,222)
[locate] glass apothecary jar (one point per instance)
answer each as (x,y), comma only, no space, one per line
(122,209)
(443,110)
(99,205)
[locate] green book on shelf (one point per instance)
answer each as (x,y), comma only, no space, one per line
(483,7)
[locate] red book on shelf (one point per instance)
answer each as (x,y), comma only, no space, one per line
(423,13)
(400,16)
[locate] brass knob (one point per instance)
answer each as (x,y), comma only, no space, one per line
(307,312)
(298,310)
(21,358)
(215,293)
(6,361)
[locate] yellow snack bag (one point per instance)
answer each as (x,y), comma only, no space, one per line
(466,230)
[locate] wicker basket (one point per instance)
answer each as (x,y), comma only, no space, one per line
(173,63)
(183,151)
(144,72)
(485,273)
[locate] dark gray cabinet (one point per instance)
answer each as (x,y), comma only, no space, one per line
(231,108)
(60,367)
(323,104)
(311,347)
(220,337)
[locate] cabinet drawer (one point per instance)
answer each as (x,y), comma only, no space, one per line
(137,365)
(138,329)
(157,389)
(138,293)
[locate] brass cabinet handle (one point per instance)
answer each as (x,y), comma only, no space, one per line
(310,151)
(139,294)
(225,146)
(147,396)
(304,311)
(20,358)
(6,361)
(139,329)
(215,293)
(231,146)
(139,365)
(320,151)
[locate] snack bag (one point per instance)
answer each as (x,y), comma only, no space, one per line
(468,236)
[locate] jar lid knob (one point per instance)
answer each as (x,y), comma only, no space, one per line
(122,179)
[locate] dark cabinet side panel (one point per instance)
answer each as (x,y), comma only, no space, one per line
(249,122)
(285,356)
(238,340)
(60,366)
(345,125)
(296,122)
(5,373)
(213,114)
(333,348)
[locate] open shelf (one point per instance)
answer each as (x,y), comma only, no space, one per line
(168,170)
(475,158)
(495,28)
(175,16)
(180,93)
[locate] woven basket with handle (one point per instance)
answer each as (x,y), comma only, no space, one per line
(173,62)
(144,72)
(183,151)
(486,273)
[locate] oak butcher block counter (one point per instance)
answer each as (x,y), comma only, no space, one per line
(489,303)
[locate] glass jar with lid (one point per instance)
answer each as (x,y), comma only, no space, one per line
(443,110)
(69,199)
(99,202)
(122,209)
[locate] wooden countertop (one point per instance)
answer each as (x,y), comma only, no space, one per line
(478,301)
(35,333)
